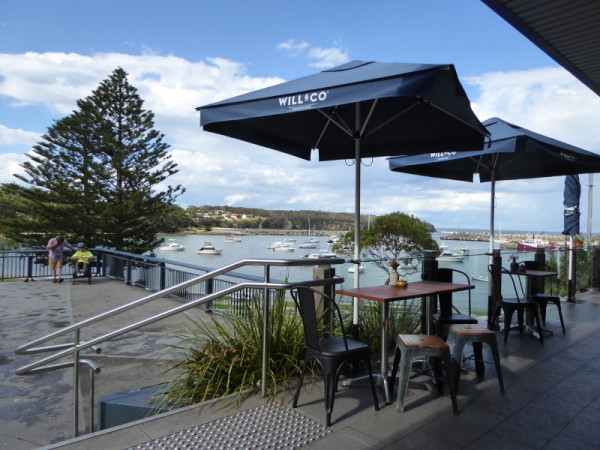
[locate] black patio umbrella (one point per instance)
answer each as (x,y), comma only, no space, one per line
(513,153)
(357,110)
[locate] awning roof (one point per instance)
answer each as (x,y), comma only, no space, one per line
(567,30)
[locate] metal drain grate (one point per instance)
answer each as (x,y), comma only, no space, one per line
(265,427)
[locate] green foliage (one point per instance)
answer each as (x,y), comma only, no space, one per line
(558,262)
(394,236)
(224,357)
(404,318)
(97,175)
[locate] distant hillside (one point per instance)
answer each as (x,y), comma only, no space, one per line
(283,219)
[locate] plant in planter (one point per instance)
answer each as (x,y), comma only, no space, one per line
(224,355)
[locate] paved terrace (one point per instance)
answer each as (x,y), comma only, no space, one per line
(552,397)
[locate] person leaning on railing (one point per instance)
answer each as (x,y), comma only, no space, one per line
(56,248)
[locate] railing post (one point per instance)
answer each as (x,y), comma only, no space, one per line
(496,259)
(595,267)
(430,263)
(537,284)
(321,273)
(265,337)
(128,270)
(210,288)
(76,384)
(29,268)
(162,277)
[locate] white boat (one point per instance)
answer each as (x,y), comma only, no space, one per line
(406,263)
(284,247)
(321,254)
(352,268)
(209,249)
(449,256)
(173,247)
(479,277)
(333,240)
(309,244)
(275,244)
(232,239)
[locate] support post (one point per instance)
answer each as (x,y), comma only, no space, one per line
(429,265)
(496,259)
(595,267)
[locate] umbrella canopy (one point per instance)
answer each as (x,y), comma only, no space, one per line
(406,109)
(357,110)
(513,153)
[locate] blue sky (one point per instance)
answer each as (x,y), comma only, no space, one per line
(187,53)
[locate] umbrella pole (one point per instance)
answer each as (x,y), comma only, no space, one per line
(570,284)
(491,303)
(356,221)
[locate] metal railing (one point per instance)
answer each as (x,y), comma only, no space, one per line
(147,272)
(63,350)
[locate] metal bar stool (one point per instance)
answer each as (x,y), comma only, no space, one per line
(476,335)
(411,346)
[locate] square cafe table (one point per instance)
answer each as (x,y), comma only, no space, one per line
(390,293)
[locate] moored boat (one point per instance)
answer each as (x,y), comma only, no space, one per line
(449,256)
(209,249)
(531,245)
(352,268)
(173,247)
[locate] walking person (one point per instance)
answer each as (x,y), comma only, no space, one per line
(56,248)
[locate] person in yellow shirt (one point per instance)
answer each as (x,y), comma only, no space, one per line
(82,257)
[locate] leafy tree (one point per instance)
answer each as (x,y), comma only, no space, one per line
(394,236)
(98,174)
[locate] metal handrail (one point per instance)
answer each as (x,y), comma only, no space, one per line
(29,347)
(64,350)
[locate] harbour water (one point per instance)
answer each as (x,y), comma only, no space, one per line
(255,246)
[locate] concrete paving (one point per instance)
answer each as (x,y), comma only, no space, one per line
(552,397)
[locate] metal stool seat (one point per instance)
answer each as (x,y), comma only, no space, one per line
(476,335)
(411,346)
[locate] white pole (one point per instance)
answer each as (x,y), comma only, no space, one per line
(356,215)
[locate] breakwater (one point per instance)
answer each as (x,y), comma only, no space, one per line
(261,232)
(506,240)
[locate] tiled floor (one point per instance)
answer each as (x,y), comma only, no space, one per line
(552,401)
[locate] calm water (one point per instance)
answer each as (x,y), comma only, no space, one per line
(256,247)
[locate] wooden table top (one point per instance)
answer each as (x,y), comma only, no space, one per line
(387,293)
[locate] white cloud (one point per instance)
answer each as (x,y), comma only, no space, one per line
(10,165)
(549,101)
(218,170)
(292,47)
(11,137)
(324,58)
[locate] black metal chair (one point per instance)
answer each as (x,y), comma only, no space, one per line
(542,298)
(511,304)
(330,351)
(448,314)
